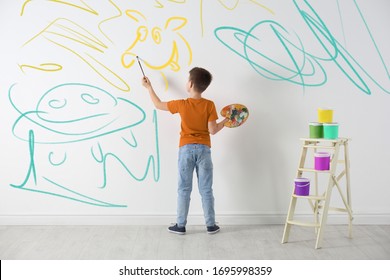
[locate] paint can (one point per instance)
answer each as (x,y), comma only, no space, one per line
(302,186)
(325,115)
(321,161)
(331,130)
(316,130)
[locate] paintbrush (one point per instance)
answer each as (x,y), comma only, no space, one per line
(140,66)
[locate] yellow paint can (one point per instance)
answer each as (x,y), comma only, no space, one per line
(325,115)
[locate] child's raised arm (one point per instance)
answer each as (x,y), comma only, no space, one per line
(153,96)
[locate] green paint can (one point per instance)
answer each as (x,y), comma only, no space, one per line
(316,130)
(331,130)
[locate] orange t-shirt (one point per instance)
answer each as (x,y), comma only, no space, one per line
(195,115)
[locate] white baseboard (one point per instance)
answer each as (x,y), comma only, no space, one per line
(223,219)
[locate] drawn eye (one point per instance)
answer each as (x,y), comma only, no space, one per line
(88,98)
(142,33)
(57,104)
(156,34)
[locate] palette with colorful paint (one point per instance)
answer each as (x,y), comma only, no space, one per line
(236,113)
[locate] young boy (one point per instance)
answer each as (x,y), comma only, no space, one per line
(198,121)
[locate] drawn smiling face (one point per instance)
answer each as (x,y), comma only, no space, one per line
(90,128)
(165,43)
(156,38)
(77,112)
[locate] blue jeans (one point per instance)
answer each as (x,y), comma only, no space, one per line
(195,157)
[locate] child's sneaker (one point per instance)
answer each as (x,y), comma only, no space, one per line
(213,229)
(176,229)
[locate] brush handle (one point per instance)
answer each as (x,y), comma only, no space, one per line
(140,66)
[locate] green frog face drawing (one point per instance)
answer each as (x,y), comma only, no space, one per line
(75,131)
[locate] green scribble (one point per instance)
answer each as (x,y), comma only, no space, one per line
(31,168)
(56,163)
(75,112)
(303,66)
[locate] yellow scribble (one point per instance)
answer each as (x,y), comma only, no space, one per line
(86,38)
(172,62)
(165,80)
(230,8)
(47,67)
(130,13)
(110,18)
(84,8)
(24,6)
(73,32)
(182,19)
(124,87)
(173,24)
(188,47)
(201,16)
(160,5)
(263,6)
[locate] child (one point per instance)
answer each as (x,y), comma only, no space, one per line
(198,121)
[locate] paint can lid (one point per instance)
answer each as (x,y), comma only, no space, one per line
(302,180)
(331,124)
(322,154)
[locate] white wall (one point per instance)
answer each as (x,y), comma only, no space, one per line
(81,143)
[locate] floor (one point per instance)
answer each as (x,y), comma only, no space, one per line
(369,242)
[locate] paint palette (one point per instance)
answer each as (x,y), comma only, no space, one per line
(236,113)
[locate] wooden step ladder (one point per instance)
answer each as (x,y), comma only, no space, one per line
(320,202)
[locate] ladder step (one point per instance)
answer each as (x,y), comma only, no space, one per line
(317,140)
(311,197)
(305,224)
(313,170)
(319,201)
(319,147)
(335,209)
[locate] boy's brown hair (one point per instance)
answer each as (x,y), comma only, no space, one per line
(201,78)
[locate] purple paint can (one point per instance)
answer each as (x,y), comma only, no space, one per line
(302,186)
(322,161)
